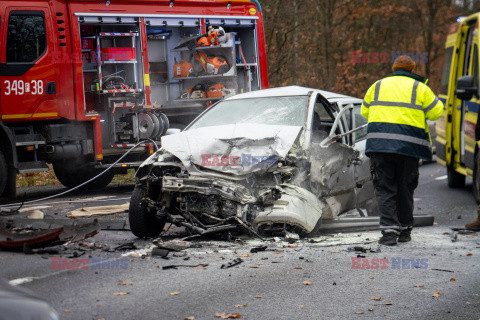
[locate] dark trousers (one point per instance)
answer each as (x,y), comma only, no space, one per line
(395,178)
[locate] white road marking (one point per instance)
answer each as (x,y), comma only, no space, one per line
(441,178)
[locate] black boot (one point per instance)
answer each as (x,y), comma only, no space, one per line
(405,235)
(388,239)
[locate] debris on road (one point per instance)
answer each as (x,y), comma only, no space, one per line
(86,212)
(36,214)
(228,315)
(233,263)
(258,249)
(185,265)
(15,236)
(18,238)
(160,252)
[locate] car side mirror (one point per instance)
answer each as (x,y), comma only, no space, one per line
(466,88)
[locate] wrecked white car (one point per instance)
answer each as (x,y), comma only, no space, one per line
(267,162)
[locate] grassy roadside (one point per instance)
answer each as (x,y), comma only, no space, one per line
(48,178)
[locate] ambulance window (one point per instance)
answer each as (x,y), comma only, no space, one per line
(26,36)
(447,62)
(475,65)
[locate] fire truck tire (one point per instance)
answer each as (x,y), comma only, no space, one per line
(143,221)
(71,177)
(3,173)
(455,179)
(476,178)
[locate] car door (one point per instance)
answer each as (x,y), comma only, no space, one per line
(363,179)
(27,63)
(332,170)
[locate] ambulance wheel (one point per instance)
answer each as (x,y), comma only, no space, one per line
(476,178)
(3,173)
(72,176)
(455,179)
(143,221)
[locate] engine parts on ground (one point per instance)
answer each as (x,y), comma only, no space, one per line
(182,69)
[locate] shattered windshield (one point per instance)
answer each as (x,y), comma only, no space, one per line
(286,111)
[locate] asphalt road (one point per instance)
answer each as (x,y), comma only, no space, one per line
(319,279)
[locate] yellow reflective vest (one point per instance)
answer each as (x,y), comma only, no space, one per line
(396,108)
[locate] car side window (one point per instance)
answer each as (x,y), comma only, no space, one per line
(322,122)
(359,121)
(26,36)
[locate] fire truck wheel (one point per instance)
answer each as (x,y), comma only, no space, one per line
(455,179)
(71,177)
(476,178)
(143,221)
(3,173)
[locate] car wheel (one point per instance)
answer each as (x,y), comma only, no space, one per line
(143,221)
(3,173)
(455,179)
(72,176)
(476,178)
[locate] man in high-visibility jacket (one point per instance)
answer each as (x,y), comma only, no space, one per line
(396,108)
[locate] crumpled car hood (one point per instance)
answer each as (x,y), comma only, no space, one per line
(237,149)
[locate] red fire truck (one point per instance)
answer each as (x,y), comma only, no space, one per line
(83,81)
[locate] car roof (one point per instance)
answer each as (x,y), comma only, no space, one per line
(289,91)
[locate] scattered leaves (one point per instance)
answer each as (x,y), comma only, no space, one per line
(372,278)
(240,305)
(255,267)
(291,246)
(190,318)
(453,279)
(123,283)
(120,293)
(436,294)
(386,304)
(359,312)
(176,293)
(419,285)
(303,306)
(244,255)
(228,315)
(258,297)
(334,251)
(277,252)
(306,283)
(66,310)
(376,299)
(199,268)
(469,254)
(370,309)
(298,268)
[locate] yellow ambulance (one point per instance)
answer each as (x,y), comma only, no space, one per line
(457,139)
